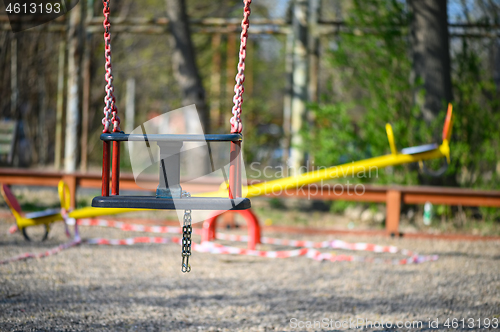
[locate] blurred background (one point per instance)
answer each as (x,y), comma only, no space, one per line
(323,77)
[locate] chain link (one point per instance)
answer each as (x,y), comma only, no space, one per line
(110,110)
(186,237)
(236,125)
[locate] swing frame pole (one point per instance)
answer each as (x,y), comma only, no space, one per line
(235,170)
(105,168)
(115,171)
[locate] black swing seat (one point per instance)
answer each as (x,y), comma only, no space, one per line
(190,203)
(420,149)
(171,163)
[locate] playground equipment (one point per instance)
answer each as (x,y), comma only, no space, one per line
(169,191)
(40,218)
(170,146)
(417,154)
(169,194)
(406,156)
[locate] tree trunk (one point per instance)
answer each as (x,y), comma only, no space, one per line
(431,66)
(60,106)
(73,93)
(431,56)
(184,61)
(187,76)
(300,84)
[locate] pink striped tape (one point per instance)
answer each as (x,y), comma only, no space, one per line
(307,249)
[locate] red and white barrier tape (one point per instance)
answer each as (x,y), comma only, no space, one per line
(131,227)
(335,244)
(13,229)
(49,252)
(215,248)
(132,241)
(315,254)
(308,248)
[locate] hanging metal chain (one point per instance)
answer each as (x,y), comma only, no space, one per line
(236,125)
(186,237)
(110,110)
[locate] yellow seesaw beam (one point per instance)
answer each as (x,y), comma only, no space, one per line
(266,188)
(350,169)
(335,172)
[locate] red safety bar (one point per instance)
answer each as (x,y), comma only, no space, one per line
(115,173)
(252,223)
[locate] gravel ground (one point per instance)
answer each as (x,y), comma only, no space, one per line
(141,288)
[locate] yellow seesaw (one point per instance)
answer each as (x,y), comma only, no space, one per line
(408,155)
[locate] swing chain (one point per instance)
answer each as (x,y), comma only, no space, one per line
(186,237)
(110,110)
(236,125)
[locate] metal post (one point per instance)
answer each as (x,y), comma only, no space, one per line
(234,167)
(115,172)
(60,105)
(238,169)
(106,146)
(299,96)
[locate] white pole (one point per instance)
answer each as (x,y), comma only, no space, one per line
(300,76)
(72,116)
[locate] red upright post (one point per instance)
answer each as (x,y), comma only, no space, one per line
(393,207)
(238,170)
(233,170)
(115,172)
(105,168)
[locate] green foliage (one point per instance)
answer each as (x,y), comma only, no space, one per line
(371,87)
(276,203)
(333,132)
(340,206)
(374,72)
(263,98)
(476,139)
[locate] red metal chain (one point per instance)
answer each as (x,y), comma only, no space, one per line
(236,125)
(110,110)
(109,100)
